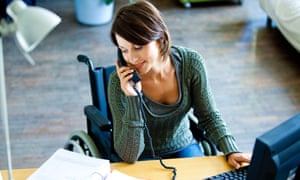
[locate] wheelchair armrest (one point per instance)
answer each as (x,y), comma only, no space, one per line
(95,115)
(200,136)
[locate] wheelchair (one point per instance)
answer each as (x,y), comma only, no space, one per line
(97,141)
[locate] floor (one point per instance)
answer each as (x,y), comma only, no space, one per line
(253,72)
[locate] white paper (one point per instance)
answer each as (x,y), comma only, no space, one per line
(117,175)
(67,165)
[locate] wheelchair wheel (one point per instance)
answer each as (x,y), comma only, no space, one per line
(80,142)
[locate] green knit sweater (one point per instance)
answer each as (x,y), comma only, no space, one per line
(168,124)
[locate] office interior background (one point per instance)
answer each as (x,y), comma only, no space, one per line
(253,71)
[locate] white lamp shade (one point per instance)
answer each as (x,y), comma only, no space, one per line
(33,23)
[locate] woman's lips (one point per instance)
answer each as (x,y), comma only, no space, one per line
(139,65)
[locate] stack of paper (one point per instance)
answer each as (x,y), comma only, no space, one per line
(64,164)
(67,165)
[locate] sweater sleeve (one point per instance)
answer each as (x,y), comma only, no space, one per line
(204,105)
(128,129)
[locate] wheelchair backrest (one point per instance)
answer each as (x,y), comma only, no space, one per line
(99,78)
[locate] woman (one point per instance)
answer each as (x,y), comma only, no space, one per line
(173,81)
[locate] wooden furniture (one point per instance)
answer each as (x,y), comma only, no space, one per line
(187,168)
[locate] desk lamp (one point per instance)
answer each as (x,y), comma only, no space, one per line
(30,25)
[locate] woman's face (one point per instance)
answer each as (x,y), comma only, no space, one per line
(141,58)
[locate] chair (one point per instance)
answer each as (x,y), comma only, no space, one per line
(98,141)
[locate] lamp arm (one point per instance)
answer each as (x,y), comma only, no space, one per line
(4,114)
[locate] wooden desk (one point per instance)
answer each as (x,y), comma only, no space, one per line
(187,168)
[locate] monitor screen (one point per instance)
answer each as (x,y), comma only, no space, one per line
(276,153)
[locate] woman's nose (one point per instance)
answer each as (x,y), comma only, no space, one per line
(132,57)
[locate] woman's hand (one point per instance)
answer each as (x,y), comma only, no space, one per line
(236,160)
(125,74)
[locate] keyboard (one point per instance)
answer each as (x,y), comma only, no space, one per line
(235,174)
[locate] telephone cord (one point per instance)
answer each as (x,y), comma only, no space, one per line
(150,138)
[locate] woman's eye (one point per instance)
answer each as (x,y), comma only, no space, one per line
(138,47)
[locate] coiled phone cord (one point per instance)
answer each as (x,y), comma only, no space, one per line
(150,138)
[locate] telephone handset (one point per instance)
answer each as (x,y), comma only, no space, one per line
(135,78)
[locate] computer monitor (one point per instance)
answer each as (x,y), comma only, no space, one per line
(276,153)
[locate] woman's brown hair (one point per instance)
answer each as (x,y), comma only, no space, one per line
(140,23)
